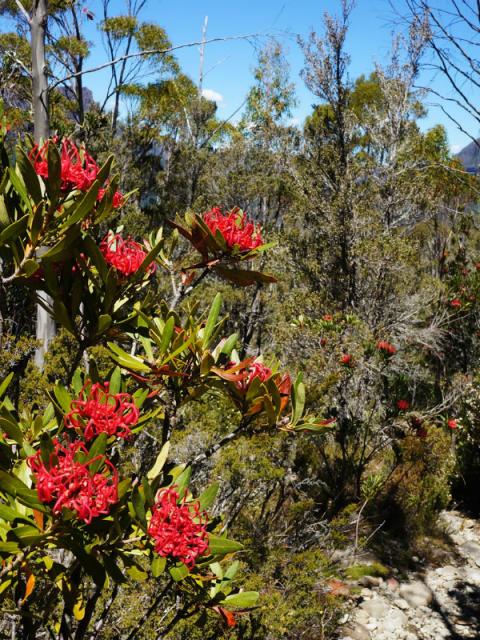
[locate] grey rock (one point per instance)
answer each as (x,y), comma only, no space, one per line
(402,604)
(416,593)
(471,550)
(448,572)
(395,621)
(358,632)
(472,575)
(376,607)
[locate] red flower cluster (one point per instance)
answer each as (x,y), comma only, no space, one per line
(386,347)
(327,317)
(452,423)
(78,169)
(69,482)
(179,530)
(98,411)
(403,405)
(235,227)
(347,360)
(456,303)
(126,256)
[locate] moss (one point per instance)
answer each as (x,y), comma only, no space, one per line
(358,571)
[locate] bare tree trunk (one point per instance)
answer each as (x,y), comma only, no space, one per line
(39,71)
(45,323)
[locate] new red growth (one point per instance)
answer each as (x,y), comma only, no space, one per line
(68,480)
(178,530)
(99,411)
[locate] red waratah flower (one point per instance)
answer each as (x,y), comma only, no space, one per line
(126,256)
(98,411)
(452,423)
(235,227)
(386,347)
(327,317)
(254,370)
(403,405)
(455,303)
(78,169)
(179,530)
(347,360)
(69,481)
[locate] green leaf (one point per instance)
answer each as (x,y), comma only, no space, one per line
(30,267)
(137,574)
(27,534)
(9,547)
(181,482)
(5,382)
(104,323)
(9,514)
(63,248)
(212,319)
(298,399)
(221,546)
(19,187)
(29,175)
(207,498)
(179,572)
(12,429)
(244,599)
(98,449)
(125,360)
(139,505)
(62,316)
(243,277)
(115,381)
(158,566)
(167,334)
(64,399)
(54,172)
(159,462)
(17,228)
(16,488)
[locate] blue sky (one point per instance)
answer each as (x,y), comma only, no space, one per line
(229,64)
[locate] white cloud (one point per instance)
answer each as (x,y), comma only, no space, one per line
(212,95)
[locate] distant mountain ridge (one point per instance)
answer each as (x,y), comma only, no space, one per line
(469,156)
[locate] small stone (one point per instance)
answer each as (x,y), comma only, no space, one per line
(416,593)
(376,607)
(395,621)
(359,632)
(472,576)
(448,572)
(366,593)
(343,619)
(372,624)
(471,550)
(393,584)
(370,581)
(401,604)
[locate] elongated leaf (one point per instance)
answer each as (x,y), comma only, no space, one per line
(207,498)
(115,381)
(11,429)
(64,399)
(212,319)
(158,566)
(221,546)
(17,228)
(29,175)
(125,360)
(167,334)
(243,277)
(244,599)
(179,572)
(298,399)
(159,462)
(4,385)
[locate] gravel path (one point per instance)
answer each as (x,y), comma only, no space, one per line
(436,604)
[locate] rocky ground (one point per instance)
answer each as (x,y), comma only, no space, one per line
(437,602)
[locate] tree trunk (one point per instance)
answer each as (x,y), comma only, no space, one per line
(45,323)
(39,71)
